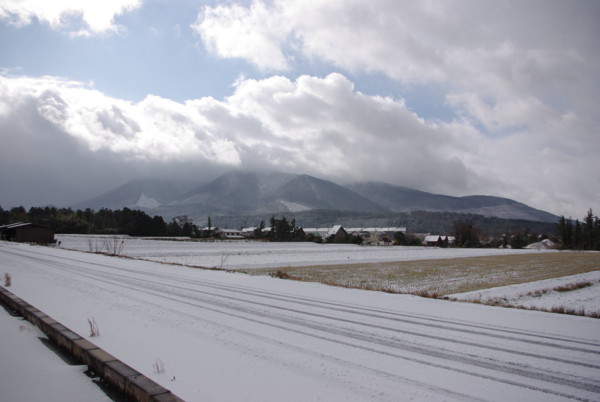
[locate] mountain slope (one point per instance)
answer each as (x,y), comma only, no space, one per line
(402,199)
(321,194)
(248,193)
(139,194)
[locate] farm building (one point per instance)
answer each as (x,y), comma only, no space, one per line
(27,233)
(249,232)
(337,233)
(370,236)
(228,233)
(439,241)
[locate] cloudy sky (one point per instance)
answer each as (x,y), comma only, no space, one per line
(454,97)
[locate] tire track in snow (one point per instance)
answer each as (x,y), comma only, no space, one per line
(410,319)
(341,362)
(358,310)
(420,334)
(234,307)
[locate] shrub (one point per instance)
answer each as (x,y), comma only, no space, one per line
(114,245)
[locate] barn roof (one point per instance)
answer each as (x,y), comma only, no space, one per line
(21,224)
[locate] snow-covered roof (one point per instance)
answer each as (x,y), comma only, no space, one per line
(18,225)
(14,225)
(319,231)
(434,238)
(389,229)
(334,230)
(225,230)
(545,244)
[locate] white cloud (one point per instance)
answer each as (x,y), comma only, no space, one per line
(322,126)
(521,78)
(76,17)
(249,33)
(541,49)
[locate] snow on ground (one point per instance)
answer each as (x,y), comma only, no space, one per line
(253,254)
(223,336)
(542,294)
(30,371)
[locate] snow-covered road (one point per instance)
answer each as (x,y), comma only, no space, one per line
(221,336)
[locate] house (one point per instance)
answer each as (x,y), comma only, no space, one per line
(249,232)
(337,233)
(439,241)
(24,232)
(231,234)
(299,234)
(209,231)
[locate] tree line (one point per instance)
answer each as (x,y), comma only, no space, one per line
(580,235)
(104,221)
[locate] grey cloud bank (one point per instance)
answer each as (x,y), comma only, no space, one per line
(520,79)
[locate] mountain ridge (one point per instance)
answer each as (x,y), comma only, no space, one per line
(404,199)
(246,193)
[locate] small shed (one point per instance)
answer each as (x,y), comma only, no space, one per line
(24,232)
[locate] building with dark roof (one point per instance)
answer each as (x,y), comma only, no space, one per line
(24,232)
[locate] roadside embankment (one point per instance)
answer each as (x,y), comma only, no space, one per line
(125,379)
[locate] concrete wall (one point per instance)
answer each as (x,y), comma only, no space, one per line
(125,379)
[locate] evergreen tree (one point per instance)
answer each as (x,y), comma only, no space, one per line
(258,232)
(577,235)
(588,231)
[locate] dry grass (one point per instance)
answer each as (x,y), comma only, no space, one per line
(158,366)
(556,309)
(573,286)
(94,329)
(436,278)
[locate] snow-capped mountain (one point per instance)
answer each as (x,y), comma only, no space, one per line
(243,193)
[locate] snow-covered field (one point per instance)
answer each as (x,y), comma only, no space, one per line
(547,294)
(223,336)
(252,254)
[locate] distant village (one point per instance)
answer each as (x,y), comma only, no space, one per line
(369,236)
(25,232)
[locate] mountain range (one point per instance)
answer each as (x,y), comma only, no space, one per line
(241,193)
